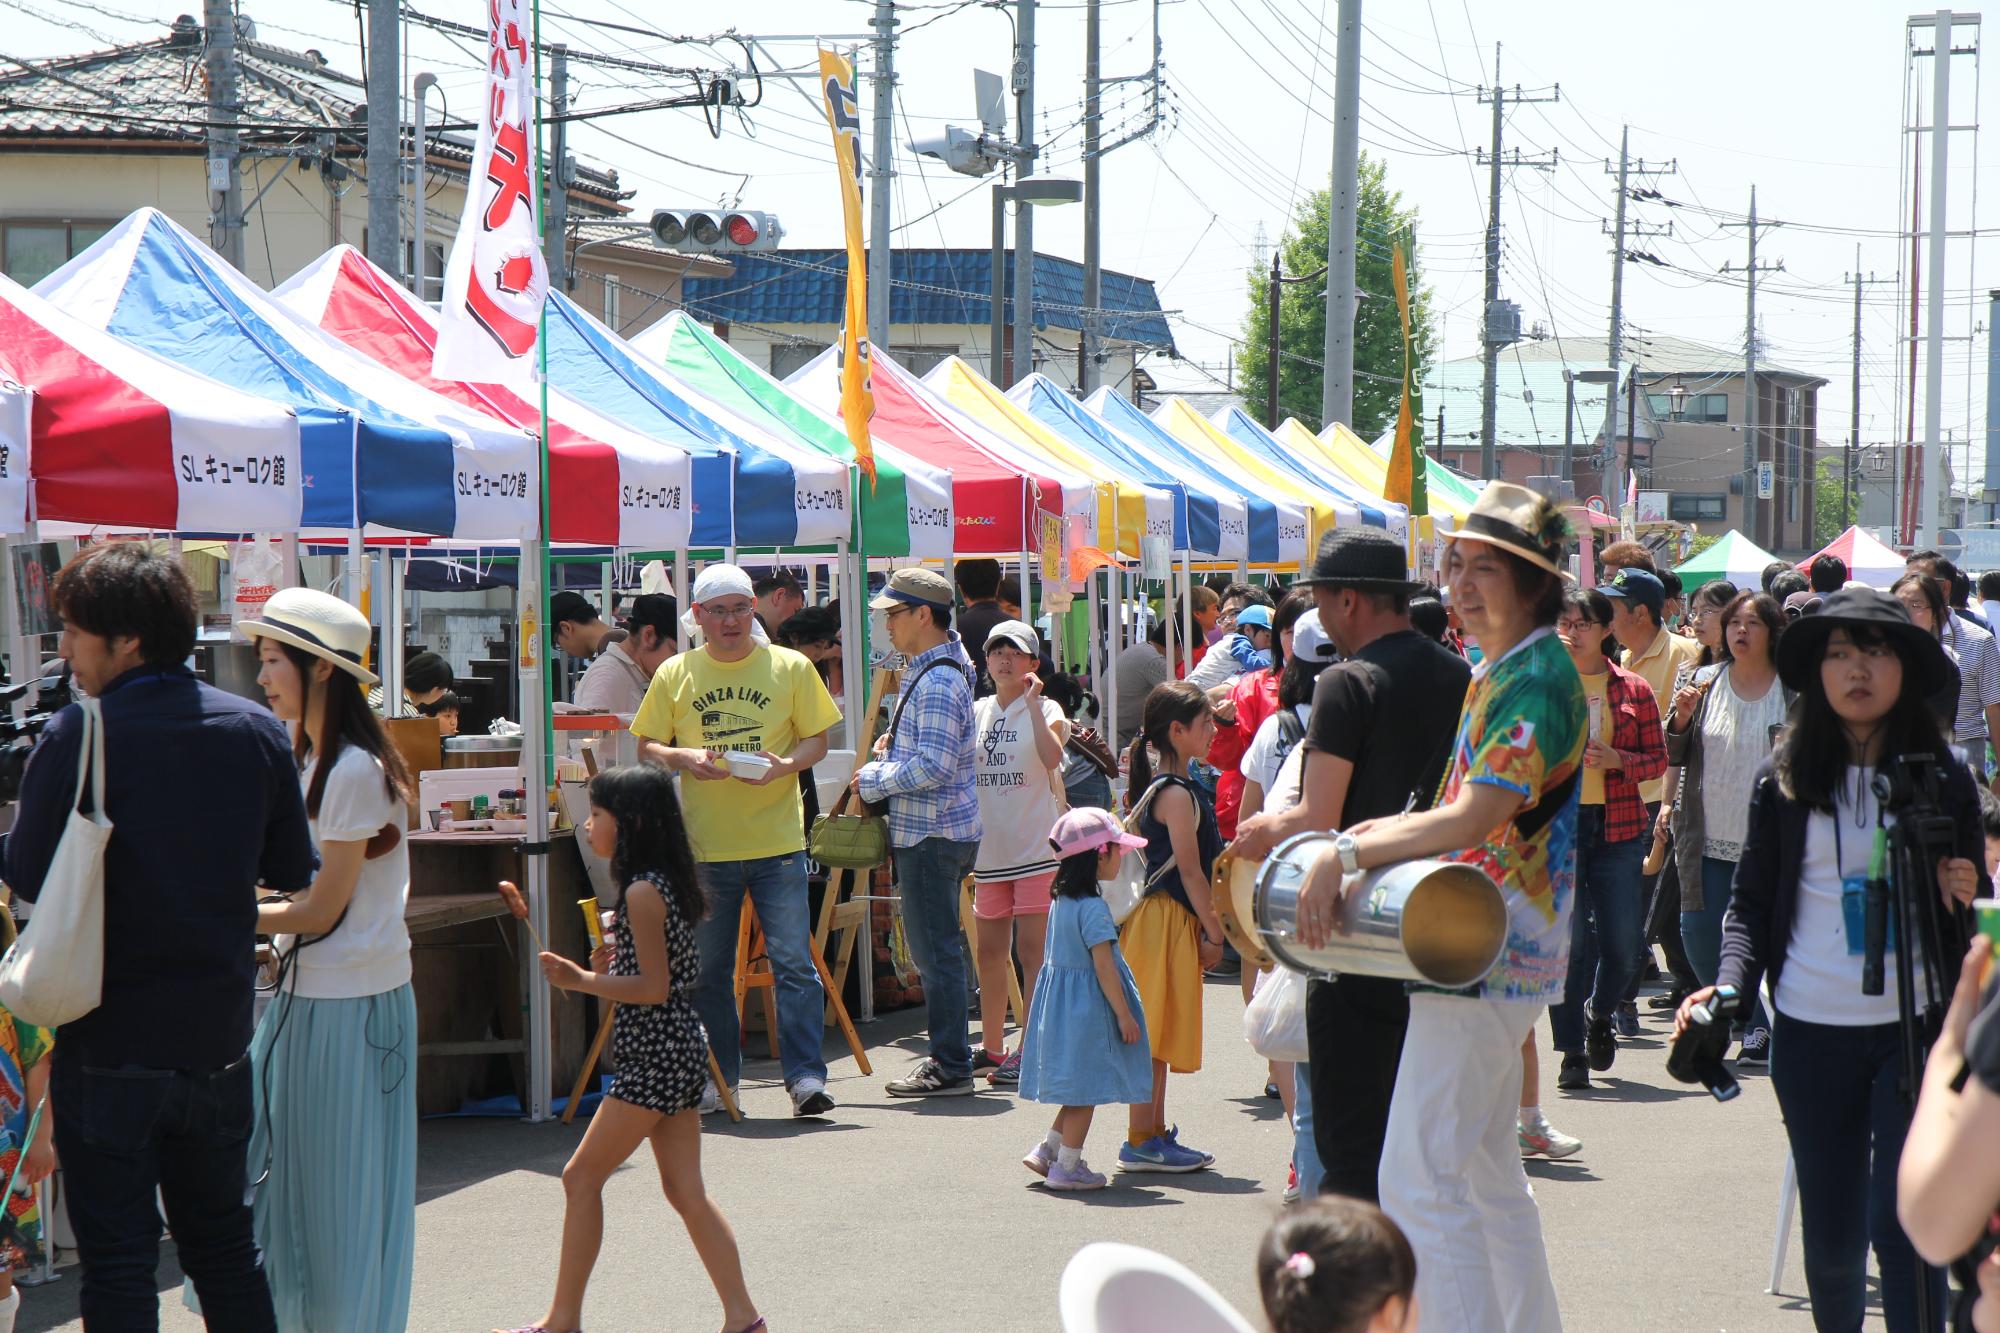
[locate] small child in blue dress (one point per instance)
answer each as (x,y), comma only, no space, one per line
(1085,1046)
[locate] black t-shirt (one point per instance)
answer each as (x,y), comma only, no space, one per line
(1391,711)
(975,622)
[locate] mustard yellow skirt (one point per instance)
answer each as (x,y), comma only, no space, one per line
(1161,944)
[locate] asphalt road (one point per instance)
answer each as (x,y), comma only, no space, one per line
(914,1215)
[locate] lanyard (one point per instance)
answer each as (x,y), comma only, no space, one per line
(1860,821)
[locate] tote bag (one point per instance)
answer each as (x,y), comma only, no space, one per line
(1123,891)
(54,973)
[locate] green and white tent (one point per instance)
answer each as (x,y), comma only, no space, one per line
(1735,558)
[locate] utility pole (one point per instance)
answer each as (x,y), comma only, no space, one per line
(1753,517)
(1336,399)
(1093,255)
(1273,307)
(225,106)
(385,137)
(555,220)
(1854,398)
(881,172)
(1496,331)
(1024,212)
(1615,486)
(1933,455)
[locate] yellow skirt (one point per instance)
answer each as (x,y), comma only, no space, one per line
(1161,946)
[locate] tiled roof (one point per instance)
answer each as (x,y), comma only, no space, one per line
(926,287)
(155,93)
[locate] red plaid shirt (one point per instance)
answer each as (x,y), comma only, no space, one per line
(1641,741)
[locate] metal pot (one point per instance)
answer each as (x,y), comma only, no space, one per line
(1443,923)
(482,752)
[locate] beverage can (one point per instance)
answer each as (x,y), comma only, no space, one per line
(1986,919)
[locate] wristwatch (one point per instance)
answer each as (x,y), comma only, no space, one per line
(1348,848)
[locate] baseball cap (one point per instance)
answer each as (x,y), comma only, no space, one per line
(1807,603)
(1309,641)
(1085,828)
(913,587)
(1259,616)
(1015,634)
(1636,585)
(658,610)
(572,607)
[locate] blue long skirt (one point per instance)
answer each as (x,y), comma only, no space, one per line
(337,1115)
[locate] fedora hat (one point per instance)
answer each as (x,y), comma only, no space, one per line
(1365,559)
(1518,521)
(316,623)
(1803,643)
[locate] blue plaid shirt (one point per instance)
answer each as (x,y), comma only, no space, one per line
(927,776)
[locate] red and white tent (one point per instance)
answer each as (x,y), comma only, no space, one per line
(1868,559)
(113,436)
(609,485)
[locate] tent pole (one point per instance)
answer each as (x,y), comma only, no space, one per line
(393,576)
(1187,605)
(357,574)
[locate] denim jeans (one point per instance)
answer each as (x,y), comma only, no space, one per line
(1606,928)
(126,1132)
(1701,931)
(929,879)
(1305,1153)
(777,889)
(1836,1088)
(1093,788)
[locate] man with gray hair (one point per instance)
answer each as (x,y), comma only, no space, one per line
(739,719)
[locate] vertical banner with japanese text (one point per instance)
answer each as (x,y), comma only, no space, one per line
(857,394)
(497,278)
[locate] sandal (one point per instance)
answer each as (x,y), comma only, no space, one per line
(752,1327)
(540,1328)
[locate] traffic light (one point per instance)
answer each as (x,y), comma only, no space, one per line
(715,229)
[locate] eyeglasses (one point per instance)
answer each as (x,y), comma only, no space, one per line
(729,612)
(1575,625)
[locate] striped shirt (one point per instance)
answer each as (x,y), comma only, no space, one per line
(927,776)
(1979,675)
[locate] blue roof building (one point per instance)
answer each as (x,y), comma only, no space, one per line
(940,305)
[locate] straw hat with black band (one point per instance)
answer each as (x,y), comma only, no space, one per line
(1520,522)
(1803,643)
(316,623)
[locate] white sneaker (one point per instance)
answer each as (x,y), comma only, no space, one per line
(810,1097)
(1546,1140)
(711,1100)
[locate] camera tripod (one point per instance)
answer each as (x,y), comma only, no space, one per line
(1902,888)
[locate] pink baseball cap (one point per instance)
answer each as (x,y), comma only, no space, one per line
(1087,828)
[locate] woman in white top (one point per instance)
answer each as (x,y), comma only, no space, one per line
(1721,730)
(1797,920)
(335,1054)
(1018,739)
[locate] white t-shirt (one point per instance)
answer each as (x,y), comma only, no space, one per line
(1268,752)
(613,682)
(1019,798)
(1821,982)
(369,951)
(1735,739)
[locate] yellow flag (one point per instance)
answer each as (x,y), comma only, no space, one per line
(857,394)
(1405,484)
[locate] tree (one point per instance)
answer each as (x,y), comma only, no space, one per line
(1378,332)
(1830,516)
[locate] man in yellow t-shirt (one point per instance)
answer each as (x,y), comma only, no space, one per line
(737,696)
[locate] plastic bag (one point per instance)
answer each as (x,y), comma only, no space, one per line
(1274,1022)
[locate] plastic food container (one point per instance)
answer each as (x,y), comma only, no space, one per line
(745,765)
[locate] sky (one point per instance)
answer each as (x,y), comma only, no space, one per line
(1802,100)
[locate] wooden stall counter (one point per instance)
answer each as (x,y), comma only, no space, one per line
(471,962)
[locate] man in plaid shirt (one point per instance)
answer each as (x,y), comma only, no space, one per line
(924,769)
(1627,746)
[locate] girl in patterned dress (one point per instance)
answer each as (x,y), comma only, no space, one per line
(24,1082)
(661,1050)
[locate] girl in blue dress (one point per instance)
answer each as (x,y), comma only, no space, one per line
(1086,1041)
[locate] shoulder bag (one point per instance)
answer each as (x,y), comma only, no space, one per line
(54,973)
(854,835)
(1123,891)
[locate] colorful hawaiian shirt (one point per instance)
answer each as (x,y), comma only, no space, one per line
(22,1047)
(1523,728)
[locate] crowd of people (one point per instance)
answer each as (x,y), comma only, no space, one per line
(1633,765)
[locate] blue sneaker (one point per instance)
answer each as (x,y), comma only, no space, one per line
(1159,1154)
(1174,1142)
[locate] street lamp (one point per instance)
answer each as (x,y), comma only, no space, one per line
(1033,190)
(1571,378)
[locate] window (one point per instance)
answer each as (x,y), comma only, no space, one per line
(787,358)
(30,251)
(1661,405)
(1696,508)
(921,359)
(1694,406)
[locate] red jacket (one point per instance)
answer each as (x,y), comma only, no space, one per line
(1256,696)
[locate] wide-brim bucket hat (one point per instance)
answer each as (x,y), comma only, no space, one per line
(1803,643)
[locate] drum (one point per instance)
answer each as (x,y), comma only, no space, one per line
(1235,884)
(1442,923)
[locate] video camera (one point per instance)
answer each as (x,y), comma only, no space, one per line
(1697,1053)
(18,735)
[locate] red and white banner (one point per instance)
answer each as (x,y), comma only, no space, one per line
(496,278)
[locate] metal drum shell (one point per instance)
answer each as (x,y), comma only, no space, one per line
(1440,923)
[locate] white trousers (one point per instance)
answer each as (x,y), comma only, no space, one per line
(1451,1170)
